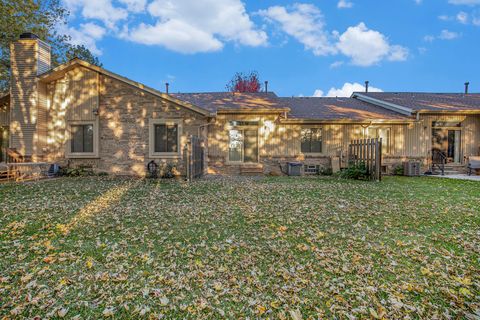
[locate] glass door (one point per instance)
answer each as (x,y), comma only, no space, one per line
(243,145)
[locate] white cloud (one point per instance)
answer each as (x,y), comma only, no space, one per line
(448,35)
(102,10)
(87,34)
(197,26)
(177,36)
(462,17)
(344,4)
(336,64)
(444,35)
(305,23)
(368,47)
(464,2)
(346,91)
(134,5)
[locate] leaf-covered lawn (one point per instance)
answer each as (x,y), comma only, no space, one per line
(238,248)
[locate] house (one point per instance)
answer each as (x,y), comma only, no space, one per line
(82,115)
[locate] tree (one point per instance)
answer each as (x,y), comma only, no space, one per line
(42,18)
(245,82)
(81,52)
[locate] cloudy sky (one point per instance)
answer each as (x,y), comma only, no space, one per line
(324,47)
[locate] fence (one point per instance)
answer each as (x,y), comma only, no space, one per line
(194,158)
(369,153)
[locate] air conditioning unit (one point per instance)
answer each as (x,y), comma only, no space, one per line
(411,168)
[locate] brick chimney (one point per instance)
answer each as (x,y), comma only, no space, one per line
(29,57)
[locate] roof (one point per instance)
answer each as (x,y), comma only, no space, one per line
(60,71)
(5,100)
(434,102)
(350,109)
(234,102)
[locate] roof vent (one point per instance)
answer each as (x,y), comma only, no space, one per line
(466,87)
(366,85)
(266,86)
(28,35)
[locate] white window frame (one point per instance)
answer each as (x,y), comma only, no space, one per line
(96,142)
(386,145)
(322,145)
(151,143)
(242,128)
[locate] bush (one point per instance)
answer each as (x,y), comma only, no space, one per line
(76,172)
(398,170)
(167,171)
(355,172)
(325,171)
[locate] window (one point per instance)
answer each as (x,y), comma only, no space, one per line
(311,139)
(243,141)
(383,133)
(166,138)
(81,138)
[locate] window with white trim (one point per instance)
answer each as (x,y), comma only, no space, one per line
(311,140)
(82,139)
(383,133)
(165,138)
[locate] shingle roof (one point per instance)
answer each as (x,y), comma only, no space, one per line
(338,109)
(217,101)
(430,101)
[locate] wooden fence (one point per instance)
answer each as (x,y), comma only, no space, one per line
(369,153)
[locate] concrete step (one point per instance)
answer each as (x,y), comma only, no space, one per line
(251,169)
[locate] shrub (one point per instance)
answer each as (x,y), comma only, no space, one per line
(325,171)
(76,172)
(356,172)
(398,170)
(167,171)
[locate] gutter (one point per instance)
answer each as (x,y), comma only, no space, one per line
(386,105)
(346,121)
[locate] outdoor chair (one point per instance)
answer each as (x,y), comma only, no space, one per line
(473,164)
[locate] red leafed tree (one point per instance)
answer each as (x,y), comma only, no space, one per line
(245,82)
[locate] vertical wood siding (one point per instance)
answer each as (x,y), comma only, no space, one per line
(283,140)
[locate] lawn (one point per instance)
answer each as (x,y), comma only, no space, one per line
(236,248)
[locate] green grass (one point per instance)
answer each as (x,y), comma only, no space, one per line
(237,248)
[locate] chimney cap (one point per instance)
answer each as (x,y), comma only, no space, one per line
(28,35)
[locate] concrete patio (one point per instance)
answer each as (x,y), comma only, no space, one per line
(460,177)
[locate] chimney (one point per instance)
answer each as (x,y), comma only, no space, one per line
(466,87)
(366,85)
(166,87)
(266,86)
(29,57)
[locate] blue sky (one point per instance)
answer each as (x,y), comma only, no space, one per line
(325,47)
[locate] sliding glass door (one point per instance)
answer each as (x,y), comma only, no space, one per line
(243,145)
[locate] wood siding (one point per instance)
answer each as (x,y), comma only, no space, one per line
(408,140)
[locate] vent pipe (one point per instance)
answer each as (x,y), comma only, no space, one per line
(166,87)
(466,87)
(366,85)
(266,86)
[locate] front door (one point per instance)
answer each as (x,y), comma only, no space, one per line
(448,142)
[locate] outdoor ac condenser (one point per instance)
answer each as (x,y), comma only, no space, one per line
(411,168)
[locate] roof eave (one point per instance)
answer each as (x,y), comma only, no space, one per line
(347,121)
(426,111)
(252,110)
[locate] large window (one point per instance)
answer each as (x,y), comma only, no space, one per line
(81,138)
(311,140)
(243,145)
(166,138)
(383,133)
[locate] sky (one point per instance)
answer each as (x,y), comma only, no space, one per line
(304,48)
